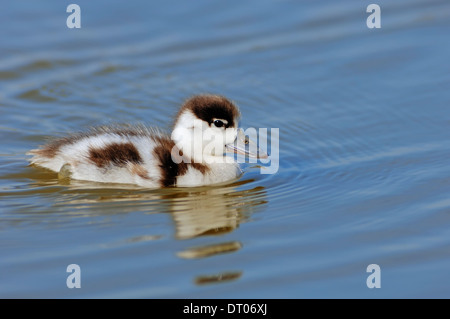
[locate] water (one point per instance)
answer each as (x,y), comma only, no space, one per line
(364,149)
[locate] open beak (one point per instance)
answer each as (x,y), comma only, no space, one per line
(244,146)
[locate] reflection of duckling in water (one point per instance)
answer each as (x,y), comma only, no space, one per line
(205,127)
(213,211)
(199,211)
(205,211)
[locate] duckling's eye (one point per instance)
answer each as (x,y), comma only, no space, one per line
(218,123)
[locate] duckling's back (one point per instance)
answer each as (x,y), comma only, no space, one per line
(107,154)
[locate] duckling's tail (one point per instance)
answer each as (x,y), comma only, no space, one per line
(43,157)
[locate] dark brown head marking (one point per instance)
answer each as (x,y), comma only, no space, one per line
(208,107)
(118,154)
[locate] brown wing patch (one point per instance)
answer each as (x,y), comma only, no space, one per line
(119,154)
(51,149)
(168,168)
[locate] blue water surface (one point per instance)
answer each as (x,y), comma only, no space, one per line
(363,177)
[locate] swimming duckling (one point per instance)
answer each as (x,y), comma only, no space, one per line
(205,128)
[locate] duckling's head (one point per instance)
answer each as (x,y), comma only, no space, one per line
(206,126)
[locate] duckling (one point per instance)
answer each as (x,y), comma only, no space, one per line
(204,130)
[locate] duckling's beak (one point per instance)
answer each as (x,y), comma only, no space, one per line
(244,146)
